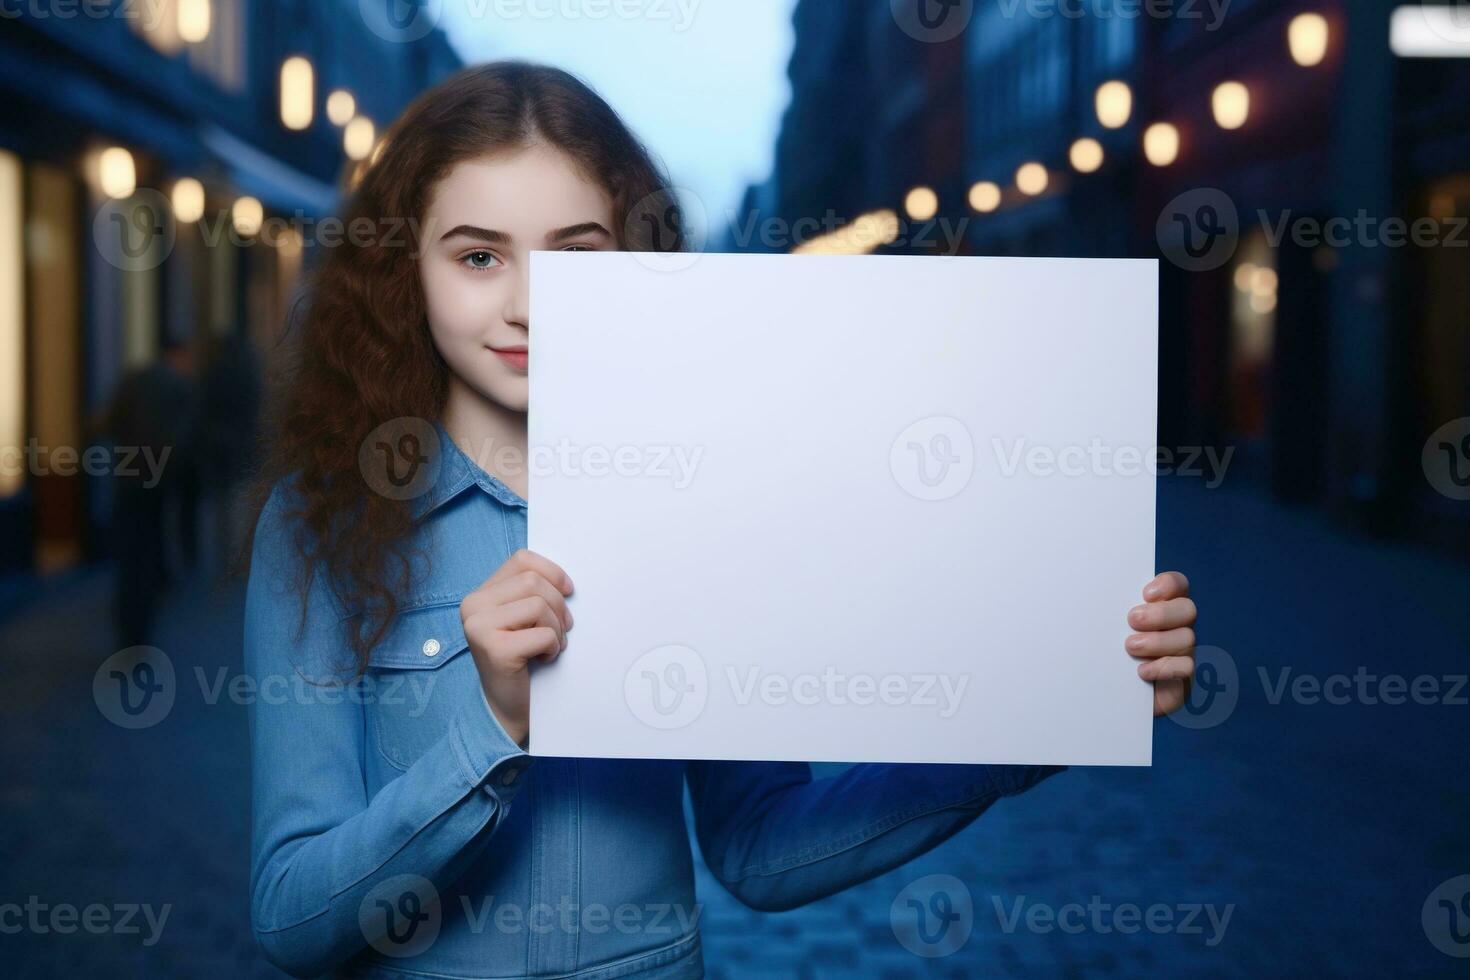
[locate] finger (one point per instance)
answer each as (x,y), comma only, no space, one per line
(1169,697)
(528,613)
(1165,644)
(1166,615)
(523,646)
(1166,585)
(528,583)
(529,561)
(1167,669)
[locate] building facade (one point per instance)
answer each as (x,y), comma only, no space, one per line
(147,150)
(1229,141)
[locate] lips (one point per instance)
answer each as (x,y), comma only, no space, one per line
(516,357)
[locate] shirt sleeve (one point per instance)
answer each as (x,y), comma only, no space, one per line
(776,838)
(319,845)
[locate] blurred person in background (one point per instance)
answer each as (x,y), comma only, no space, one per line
(152,419)
(230,401)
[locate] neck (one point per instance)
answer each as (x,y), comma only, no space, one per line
(488,433)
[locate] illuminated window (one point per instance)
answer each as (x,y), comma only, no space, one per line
(985,196)
(1306,37)
(358,137)
(298,93)
(158,23)
(921,203)
(12,320)
(1031,179)
(341,107)
(1252,336)
(1231,104)
(1086,155)
(1114,104)
(1161,144)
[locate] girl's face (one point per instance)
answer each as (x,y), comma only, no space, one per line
(482,223)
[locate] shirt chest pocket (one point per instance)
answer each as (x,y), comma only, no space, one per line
(422,672)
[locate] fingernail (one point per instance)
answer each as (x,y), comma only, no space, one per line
(1134,642)
(1152,592)
(1143,670)
(1136,614)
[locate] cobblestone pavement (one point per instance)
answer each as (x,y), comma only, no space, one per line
(1319,829)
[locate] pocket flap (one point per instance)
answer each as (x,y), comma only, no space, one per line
(421,639)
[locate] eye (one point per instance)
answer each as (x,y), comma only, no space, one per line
(579,248)
(479,260)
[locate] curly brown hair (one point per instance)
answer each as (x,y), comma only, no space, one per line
(361,354)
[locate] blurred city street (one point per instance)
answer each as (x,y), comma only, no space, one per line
(1314,832)
(175,262)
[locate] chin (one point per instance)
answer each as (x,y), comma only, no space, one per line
(513,393)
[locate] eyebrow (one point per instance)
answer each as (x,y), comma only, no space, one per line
(575,231)
(479,234)
(495,237)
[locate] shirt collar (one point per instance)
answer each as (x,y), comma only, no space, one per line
(457,473)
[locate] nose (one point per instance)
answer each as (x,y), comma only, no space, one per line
(518,300)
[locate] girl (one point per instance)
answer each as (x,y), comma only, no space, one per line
(400,828)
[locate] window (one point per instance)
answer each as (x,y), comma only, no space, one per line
(12,321)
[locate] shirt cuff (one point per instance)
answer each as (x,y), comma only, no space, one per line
(492,760)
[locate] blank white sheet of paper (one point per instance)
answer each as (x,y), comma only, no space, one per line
(844,508)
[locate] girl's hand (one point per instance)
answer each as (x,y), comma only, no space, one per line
(519,614)
(1165,640)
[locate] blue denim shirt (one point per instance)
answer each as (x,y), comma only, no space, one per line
(398,830)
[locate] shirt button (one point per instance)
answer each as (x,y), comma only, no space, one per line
(431,648)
